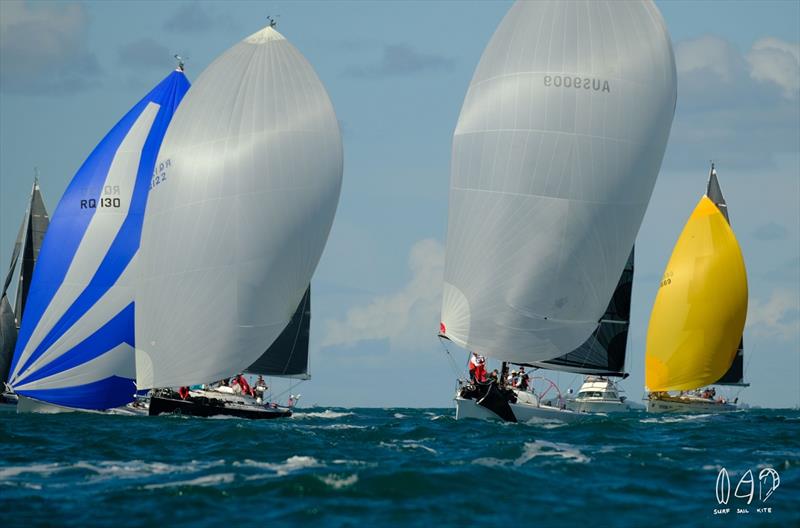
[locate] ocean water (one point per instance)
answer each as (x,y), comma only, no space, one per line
(396,467)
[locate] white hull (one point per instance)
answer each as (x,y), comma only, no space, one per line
(526,409)
(30,405)
(687,406)
(599,395)
(470,409)
(598,406)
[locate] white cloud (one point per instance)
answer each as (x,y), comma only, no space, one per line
(776,61)
(708,53)
(43,48)
(738,107)
(778,317)
(408,316)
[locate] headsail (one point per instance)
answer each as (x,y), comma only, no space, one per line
(735,374)
(288,355)
(28,244)
(75,345)
(555,155)
(603,354)
(253,167)
(699,312)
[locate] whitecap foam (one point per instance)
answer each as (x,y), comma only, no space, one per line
(327,413)
(204,481)
(110,468)
(410,444)
(490,462)
(37,469)
(339,481)
(542,448)
(290,465)
(400,416)
(674,418)
(337,426)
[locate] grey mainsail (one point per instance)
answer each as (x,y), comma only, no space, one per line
(288,355)
(28,243)
(735,374)
(603,354)
(37,223)
(8,338)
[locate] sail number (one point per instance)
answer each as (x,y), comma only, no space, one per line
(586,83)
(106,201)
(667,280)
(160,173)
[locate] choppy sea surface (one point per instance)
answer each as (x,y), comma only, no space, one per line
(398,467)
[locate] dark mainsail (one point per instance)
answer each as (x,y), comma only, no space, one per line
(735,374)
(603,354)
(27,245)
(288,355)
(34,235)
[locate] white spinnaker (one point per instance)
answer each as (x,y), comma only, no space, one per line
(235,226)
(549,181)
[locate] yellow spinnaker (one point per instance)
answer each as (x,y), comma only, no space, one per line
(699,313)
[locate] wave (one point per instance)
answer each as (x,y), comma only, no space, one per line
(290,465)
(328,414)
(110,468)
(675,418)
(204,481)
(543,448)
(409,444)
(338,481)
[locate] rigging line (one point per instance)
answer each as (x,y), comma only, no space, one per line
(291,388)
(744,368)
(453,364)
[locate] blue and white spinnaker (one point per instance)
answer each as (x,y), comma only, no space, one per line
(76,341)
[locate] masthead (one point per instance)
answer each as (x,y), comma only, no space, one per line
(180,61)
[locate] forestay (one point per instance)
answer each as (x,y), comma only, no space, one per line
(554,159)
(251,170)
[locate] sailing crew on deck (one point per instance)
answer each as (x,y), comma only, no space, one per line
(473,364)
(477,368)
(524,380)
(512,379)
(240,385)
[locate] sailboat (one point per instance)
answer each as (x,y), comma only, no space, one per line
(287,357)
(601,357)
(28,244)
(554,159)
(233,233)
(695,334)
(75,345)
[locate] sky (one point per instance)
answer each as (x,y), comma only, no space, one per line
(397,73)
